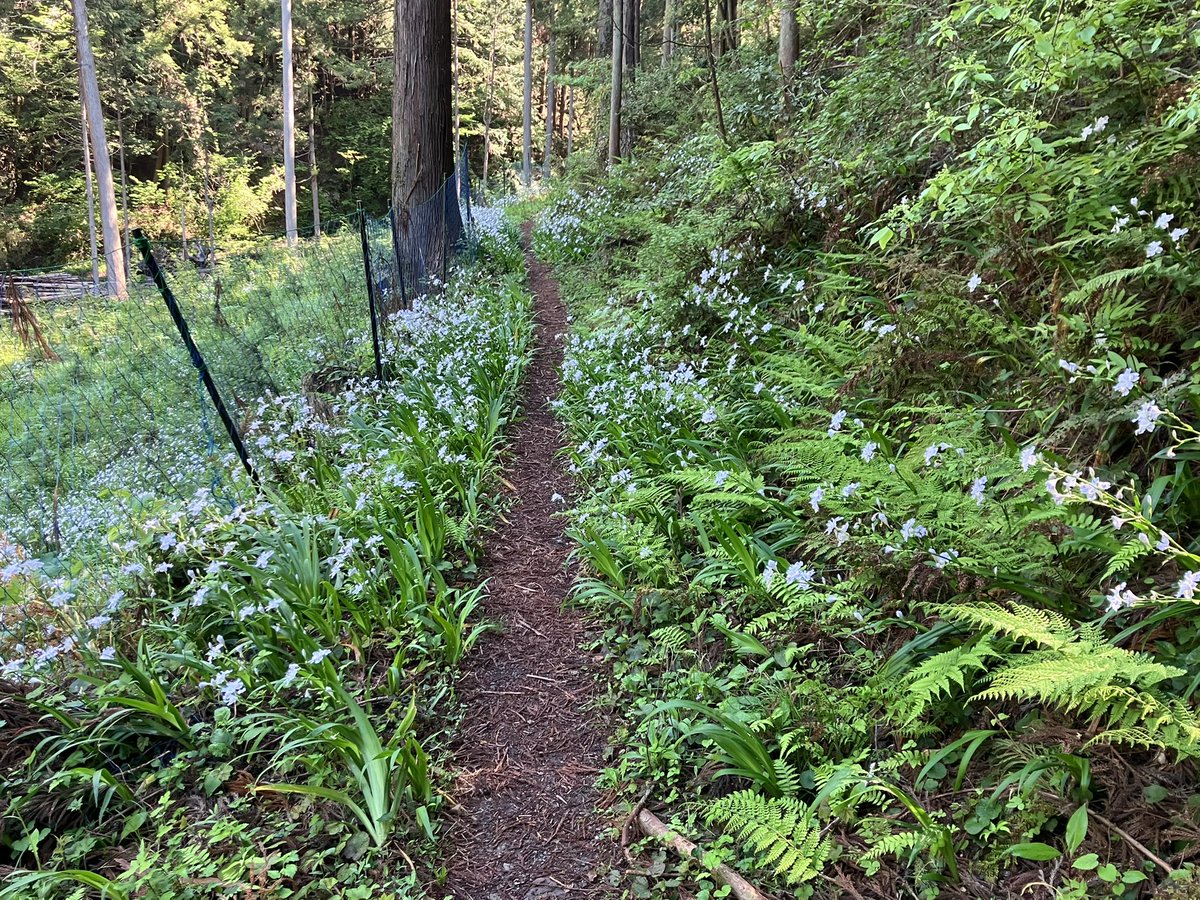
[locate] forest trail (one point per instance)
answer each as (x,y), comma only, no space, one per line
(532,743)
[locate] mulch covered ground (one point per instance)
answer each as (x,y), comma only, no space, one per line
(532,742)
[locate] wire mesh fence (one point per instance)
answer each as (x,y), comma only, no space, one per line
(106,417)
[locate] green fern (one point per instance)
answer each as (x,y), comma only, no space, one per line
(781,832)
(936,676)
(1023,624)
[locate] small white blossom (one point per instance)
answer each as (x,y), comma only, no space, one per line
(1147,417)
(868,451)
(1125,382)
(977,488)
(973,282)
(1153,249)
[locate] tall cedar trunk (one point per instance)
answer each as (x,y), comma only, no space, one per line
(670,35)
(114,267)
(604,28)
(618,67)
(548,154)
(457,109)
(631,29)
(91,200)
(312,167)
(789,37)
(527,97)
(422,113)
(487,110)
(289,126)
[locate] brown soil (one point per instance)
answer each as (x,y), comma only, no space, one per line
(532,742)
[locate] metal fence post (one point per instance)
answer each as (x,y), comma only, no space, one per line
(160,281)
(366,249)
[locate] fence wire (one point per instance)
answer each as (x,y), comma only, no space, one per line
(104,421)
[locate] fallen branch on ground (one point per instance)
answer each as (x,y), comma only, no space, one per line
(652,826)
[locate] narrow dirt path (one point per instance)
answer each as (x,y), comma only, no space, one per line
(532,743)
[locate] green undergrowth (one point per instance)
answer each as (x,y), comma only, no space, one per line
(256,700)
(883,419)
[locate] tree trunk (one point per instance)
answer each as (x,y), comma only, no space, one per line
(423,126)
(789,37)
(312,168)
(127,245)
(548,155)
(289,128)
(570,119)
(727,27)
(487,109)
(457,108)
(712,69)
(182,219)
(670,36)
(618,67)
(114,267)
(604,28)
(91,200)
(210,205)
(527,110)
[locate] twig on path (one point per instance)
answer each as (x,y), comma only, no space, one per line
(1132,841)
(627,827)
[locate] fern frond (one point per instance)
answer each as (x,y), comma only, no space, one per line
(1021,623)
(780,831)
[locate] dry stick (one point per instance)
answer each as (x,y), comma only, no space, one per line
(1133,842)
(739,886)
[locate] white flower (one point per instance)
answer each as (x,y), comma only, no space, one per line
(108,653)
(1147,417)
(868,451)
(1029,457)
(944,558)
(1186,589)
(721,478)
(1153,249)
(318,656)
(290,675)
(973,282)
(1120,598)
(264,559)
(835,423)
(1125,382)
(231,690)
(977,487)
(1163,220)
(798,574)
(167,541)
(1068,366)
(849,489)
(1164,542)
(709,416)
(1177,233)
(816,497)
(769,572)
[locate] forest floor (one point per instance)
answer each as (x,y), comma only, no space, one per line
(533,739)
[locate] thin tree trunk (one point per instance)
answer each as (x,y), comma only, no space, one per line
(289,127)
(670,38)
(727,27)
(712,69)
(570,119)
(312,167)
(182,219)
(114,268)
(210,204)
(618,67)
(457,109)
(548,155)
(527,110)
(487,109)
(789,38)
(127,245)
(91,200)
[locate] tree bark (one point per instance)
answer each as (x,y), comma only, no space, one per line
(114,267)
(712,69)
(570,119)
(312,168)
(618,67)
(527,109)
(548,155)
(789,37)
(727,26)
(487,109)
(289,127)
(457,108)
(604,28)
(422,116)
(91,200)
(670,34)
